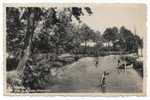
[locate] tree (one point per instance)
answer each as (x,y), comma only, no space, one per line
(115,30)
(138,43)
(110,35)
(86,34)
(132,42)
(15,31)
(55,31)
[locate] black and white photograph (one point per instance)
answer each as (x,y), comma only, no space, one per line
(75,48)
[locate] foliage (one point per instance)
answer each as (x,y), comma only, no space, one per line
(109,34)
(32,30)
(132,42)
(36,75)
(122,39)
(35,30)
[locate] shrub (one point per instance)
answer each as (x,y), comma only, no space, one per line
(138,64)
(37,75)
(11,64)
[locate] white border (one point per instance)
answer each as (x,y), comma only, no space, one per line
(70,1)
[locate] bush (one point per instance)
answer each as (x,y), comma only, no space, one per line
(11,64)
(36,75)
(138,65)
(129,60)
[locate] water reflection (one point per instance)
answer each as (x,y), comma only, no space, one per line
(123,71)
(96,61)
(103,88)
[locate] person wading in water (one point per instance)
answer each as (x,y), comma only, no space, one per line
(96,62)
(103,81)
(96,59)
(118,62)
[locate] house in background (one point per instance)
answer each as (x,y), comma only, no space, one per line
(89,43)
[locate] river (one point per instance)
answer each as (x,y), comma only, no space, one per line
(84,76)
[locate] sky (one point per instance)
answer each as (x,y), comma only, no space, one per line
(132,16)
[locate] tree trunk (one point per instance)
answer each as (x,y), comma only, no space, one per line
(28,43)
(85,48)
(23,60)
